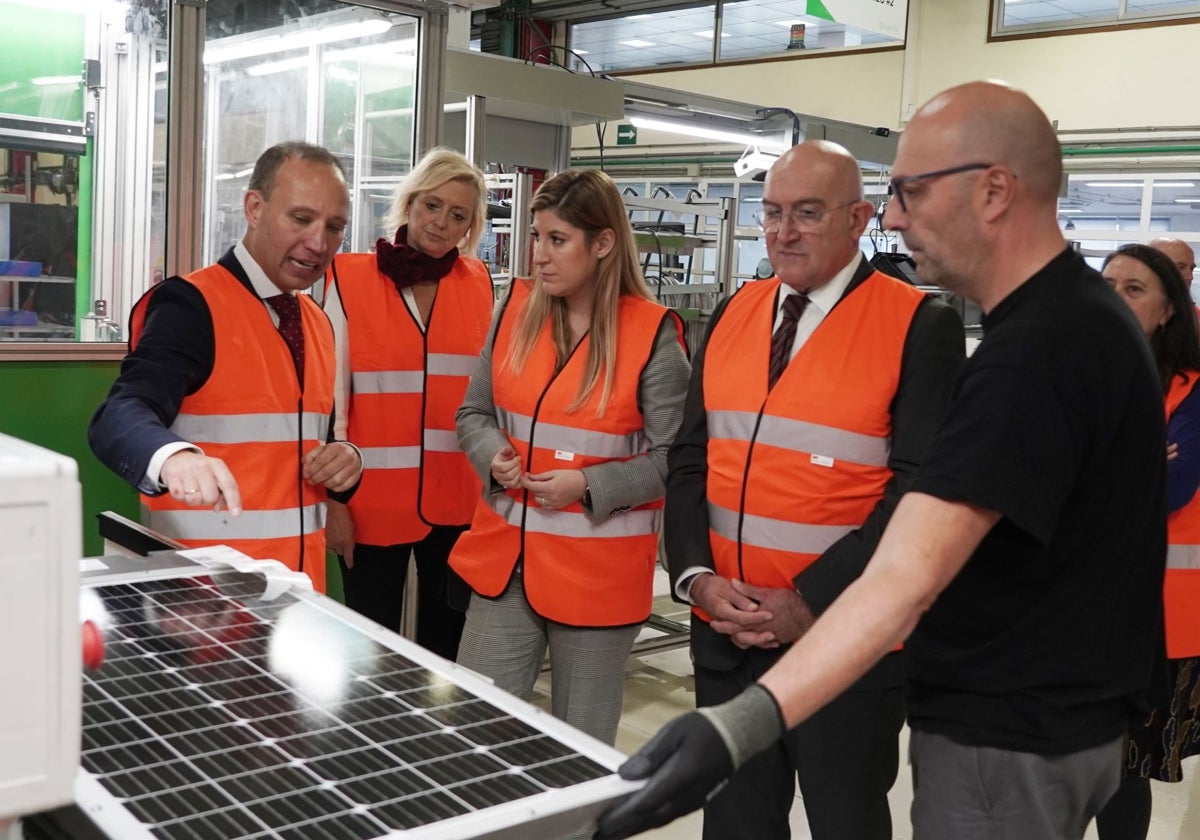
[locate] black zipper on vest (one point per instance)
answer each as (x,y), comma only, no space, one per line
(745,483)
(533,421)
(424,330)
(300,473)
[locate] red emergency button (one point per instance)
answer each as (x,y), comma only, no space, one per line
(93,645)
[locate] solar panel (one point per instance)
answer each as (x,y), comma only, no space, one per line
(225,709)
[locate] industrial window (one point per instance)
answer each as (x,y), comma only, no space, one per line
(1024,17)
(1102,210)
(732,30)
(339,74)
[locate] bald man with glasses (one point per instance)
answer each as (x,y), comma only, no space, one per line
(811,403)
(1179,253)
(1023,569)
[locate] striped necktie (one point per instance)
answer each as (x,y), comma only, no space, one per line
(785,336)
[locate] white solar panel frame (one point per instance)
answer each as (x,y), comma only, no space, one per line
(550,814)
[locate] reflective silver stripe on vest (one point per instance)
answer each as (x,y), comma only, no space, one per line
(413,381)
(775,534)
(451,364)
(388,382)
(441,440)
(391,457)
(250,525)
(565,523)
(1183,557)
(250,428)
(571,439)
(800,436)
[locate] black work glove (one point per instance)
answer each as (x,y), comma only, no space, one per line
(689,759)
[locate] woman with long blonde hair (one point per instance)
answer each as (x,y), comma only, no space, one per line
(568,418)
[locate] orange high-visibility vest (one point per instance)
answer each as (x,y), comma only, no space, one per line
(406,386)
(794,469)
(252,414)
(575,572)
(1181,587)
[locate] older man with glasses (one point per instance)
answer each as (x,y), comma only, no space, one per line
(1026,559)
(1180,253)
(811,403)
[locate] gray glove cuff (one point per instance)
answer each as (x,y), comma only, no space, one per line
(748,724)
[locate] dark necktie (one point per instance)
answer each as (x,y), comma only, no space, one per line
(288,310)
(785,336)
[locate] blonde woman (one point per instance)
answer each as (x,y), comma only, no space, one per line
(568,419)
(409,321)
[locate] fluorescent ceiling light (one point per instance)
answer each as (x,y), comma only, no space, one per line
(268,68)
(1187,201)
(747,138)
(788,24)
(295,40)
(58,5)
(342,74)
(708,33)
(634,42)
(43,81)
(581,52)
(1138,184)
(241,173)
(1069,209)
(391,54)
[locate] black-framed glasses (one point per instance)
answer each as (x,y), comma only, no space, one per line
(897,186)
(805,217)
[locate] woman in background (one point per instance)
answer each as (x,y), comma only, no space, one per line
(1152,286)
(568,419)
(409,321)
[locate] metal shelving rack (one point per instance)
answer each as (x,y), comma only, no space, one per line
(41,330)
(505,245)
(689,270)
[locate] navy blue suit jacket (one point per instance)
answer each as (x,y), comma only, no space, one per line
(173,359)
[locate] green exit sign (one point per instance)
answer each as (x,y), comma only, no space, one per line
(627,135)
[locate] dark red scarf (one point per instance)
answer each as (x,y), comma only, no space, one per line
(406,265)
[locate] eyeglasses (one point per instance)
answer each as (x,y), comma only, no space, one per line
(897,186)
(802,218)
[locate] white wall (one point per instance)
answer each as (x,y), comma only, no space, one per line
(1132,78)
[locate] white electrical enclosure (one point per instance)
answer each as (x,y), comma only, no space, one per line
(40,656)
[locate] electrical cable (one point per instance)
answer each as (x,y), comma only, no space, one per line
(549,48)
(646,264)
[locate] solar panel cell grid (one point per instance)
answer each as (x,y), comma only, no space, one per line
(200,729)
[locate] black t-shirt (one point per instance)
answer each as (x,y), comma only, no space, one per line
(1044,641)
